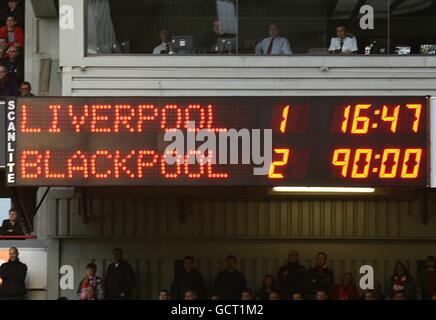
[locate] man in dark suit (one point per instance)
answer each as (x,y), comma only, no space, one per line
(120,278)
(11,226)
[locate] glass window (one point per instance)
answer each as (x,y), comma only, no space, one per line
(262,27)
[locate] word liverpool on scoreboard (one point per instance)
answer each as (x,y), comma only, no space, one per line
(316,141)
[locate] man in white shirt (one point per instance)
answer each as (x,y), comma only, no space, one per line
(165,47)
(274,44)
(344,42)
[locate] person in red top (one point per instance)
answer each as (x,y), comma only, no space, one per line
(12,32)
(345,290)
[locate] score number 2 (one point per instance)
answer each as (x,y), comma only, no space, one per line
(284,153)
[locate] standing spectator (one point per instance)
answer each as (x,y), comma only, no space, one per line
(164,294)
(427,279)
(11,226)
(91,286)
(268,286)
(120,278)
(8,86)
(230,282)
(290,278)
(319,277)
(246,294)
(16,64)
(26,89)
(4,46)
(188,279)
(15,9)
(12,276)
(401,281)
(345,290)
(12,32)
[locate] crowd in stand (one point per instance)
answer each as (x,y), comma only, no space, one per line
(292,282)
(12,49)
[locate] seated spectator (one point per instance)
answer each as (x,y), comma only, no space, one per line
(297,296)
(91,286)
(319,277)
(268,286)
(230,282)
(344,42)
(12,277)
(290,278)
(164,294)
(321,295)
(399,295)
(247,294)
(427,279)
(274,44)
(274,295)
(11,226)
(401,281)
(120,278)
(8,85)
(4,46)
(369,295)
(165,47)
(345,290)
(26,89)
(15,9)
(191,295)
(188,279)
(16,64)
(12,32)
(214,41)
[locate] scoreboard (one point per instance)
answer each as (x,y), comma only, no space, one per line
(316,141)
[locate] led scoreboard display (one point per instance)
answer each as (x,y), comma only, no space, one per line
(316,141)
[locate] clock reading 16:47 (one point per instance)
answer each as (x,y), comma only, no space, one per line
(361,119)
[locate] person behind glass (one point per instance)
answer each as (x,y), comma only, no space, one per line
(290,278)
(246,295)
(346,290)
(91,286)
(12,277)
(188,279)
(165,47)
(274,44)
(26,89)
(214,41)
(319,277)
(401,281)
(268,286)
(120,278)
(164,295)
(8,85)
(11,226)
(427,279)
(344,42)
(12,32)
(230,282)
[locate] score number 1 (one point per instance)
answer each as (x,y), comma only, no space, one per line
(282,152)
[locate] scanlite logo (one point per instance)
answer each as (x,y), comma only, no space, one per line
(11,139)
(230,146)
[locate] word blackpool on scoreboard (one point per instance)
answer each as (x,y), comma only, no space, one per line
(315,141)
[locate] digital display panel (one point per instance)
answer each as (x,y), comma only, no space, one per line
(315,141)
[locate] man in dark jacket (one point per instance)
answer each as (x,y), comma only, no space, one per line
(120,278)
(319,278)
(230,282)
(290,278)
(188,279)
(12,276)
(11,226)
